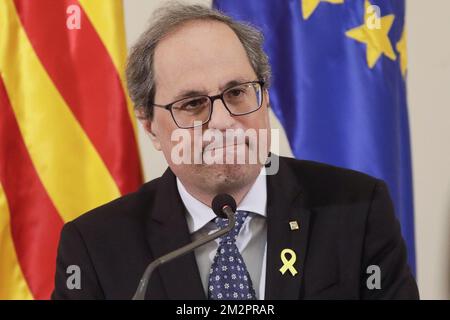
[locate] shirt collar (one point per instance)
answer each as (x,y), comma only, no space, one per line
(200,214)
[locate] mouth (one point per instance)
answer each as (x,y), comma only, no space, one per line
(227,146)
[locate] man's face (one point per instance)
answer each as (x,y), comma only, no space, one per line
(205,57)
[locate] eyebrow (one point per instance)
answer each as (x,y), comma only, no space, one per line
(192,93)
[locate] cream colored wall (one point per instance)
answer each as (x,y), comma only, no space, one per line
(429,104)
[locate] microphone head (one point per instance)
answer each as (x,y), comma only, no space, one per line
(220,201)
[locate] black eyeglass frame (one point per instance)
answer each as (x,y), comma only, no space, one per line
(212,99)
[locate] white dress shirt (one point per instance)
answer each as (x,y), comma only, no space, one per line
(252,238)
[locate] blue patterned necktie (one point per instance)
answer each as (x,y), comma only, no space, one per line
(228,276)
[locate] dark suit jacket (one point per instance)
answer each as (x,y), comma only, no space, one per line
(346,222)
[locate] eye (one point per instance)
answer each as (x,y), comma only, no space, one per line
(236,92)
(193,104)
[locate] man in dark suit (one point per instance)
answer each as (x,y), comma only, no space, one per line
(304,230)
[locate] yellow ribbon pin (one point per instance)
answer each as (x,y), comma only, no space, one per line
(288,264)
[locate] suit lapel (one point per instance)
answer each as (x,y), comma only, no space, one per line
(285,203)
(167,230)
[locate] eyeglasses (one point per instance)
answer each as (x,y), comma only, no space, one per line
(196,111)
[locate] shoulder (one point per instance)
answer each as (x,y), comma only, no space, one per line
(113,234)
(128,211)
(327,183)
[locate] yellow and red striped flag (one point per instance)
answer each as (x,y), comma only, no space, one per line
(67,134)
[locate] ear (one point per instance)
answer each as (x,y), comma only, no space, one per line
(267,100)
(267,97)
(149,127)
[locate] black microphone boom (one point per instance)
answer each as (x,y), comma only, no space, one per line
(223,206)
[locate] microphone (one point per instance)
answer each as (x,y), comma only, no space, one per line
(223,206)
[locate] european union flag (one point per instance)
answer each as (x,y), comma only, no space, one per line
(338,85)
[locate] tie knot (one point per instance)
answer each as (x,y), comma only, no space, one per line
(232,235)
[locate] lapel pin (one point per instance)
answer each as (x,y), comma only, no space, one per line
(294,225)
(288,264)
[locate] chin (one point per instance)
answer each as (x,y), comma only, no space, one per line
(228,177)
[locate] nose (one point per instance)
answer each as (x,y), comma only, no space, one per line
(221,119)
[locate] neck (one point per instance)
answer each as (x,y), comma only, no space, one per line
(206,196)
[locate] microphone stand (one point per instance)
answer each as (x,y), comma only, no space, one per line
(142,288)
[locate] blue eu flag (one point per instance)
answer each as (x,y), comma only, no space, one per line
(338,85)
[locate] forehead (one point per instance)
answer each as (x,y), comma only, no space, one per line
(199,54)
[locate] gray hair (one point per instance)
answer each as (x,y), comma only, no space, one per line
(140,72)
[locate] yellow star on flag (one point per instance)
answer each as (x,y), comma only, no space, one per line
(374,36)
(309,6)
(401,48)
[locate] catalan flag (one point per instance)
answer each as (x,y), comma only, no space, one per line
(67,134)
(339,86)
